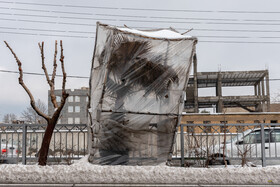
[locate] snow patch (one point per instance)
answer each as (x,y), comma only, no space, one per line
(164,33)
(84,172)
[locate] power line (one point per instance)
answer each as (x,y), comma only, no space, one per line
(41,74)
(144,21)
(143,9)
(42,34)
(73,76)
(236,30)
(200,41)
(238,42)
(92,33)
(182,29)
(128,16)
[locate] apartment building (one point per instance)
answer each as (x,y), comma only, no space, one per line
(75,108)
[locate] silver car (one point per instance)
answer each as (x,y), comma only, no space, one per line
(247,145)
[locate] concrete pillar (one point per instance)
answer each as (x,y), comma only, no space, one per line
(255,87)
(195,84)
(259,89)
(258,104)
(263,96)
(263,90)
(267,91)
(219,94)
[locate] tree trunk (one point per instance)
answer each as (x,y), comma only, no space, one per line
(43,153)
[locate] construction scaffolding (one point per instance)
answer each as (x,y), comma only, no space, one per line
(259,102)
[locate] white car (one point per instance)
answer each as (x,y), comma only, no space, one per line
(8,152)
(247,145)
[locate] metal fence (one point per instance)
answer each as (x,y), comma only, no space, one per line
(196,144)
(21,142)
(207,144)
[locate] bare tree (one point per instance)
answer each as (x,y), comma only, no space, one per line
(29,115)
(51,120)
(225,138)
(9,118)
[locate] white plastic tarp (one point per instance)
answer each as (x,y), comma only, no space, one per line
(137,85)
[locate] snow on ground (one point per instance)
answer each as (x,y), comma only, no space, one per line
(83,172)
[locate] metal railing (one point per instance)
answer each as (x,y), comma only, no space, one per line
(206,144)
(21,142)
(196,144)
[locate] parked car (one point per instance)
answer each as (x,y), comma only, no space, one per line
(247,145)
(8,153)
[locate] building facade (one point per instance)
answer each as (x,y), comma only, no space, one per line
(231,118)
(75,108)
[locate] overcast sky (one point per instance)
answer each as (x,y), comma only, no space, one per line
(233,35)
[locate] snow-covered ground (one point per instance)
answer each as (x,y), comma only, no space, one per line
(84,172)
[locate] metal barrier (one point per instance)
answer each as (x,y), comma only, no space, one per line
(207,144)
(21,142)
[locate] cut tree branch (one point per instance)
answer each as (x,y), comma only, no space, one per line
(50,82)
(54,62)
(20,80)
(64,94)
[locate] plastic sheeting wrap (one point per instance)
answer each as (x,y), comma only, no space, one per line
(137,88)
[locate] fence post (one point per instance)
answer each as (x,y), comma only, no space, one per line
(23,157)
(182,146)
(263,146)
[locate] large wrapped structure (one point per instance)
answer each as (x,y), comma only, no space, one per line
(137,88)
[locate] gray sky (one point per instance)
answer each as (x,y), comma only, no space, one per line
(253,24)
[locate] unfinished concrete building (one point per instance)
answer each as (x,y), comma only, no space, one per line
(259,102)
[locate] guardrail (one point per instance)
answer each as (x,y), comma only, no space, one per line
(206,144)
(21,142)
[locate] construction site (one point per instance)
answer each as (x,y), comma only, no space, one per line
(258,80)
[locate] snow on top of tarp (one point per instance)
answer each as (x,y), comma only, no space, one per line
(83,172)
(164,33)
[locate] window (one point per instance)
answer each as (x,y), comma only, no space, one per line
(190,129)
(224,129)
(253,137)
(273,121)
(70,109)
(58,99)
(207,129)
(77,109)
(77,120)
(70,99)
(275,136)
(77,98)
(70,120)
(240,129)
